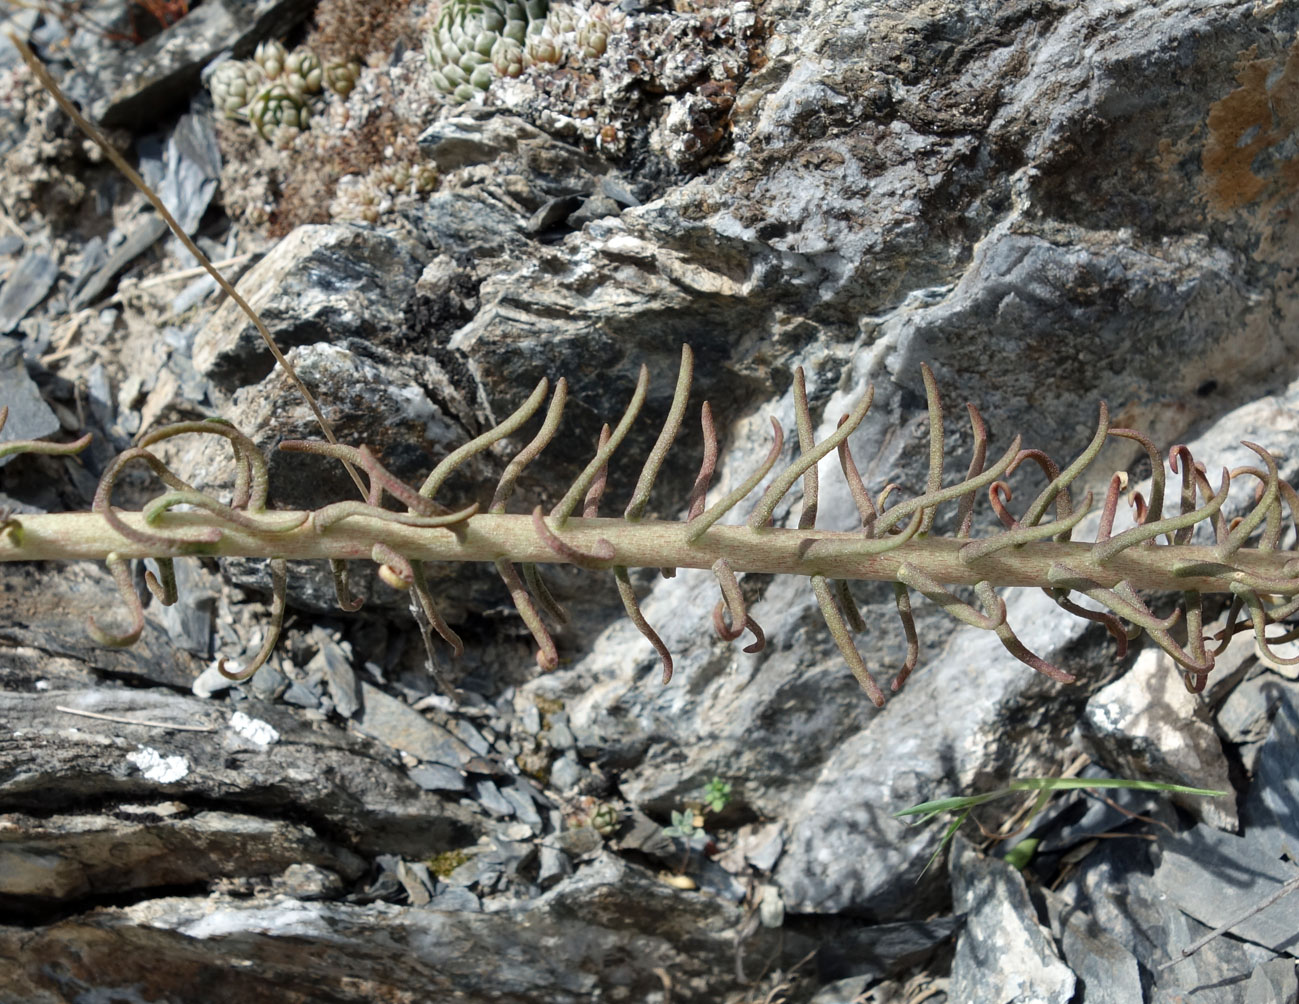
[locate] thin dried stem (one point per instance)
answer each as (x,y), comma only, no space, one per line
(118,161)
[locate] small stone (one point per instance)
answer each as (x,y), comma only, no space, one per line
(1002,954)
(523,807)
(565,773)
(490,798)
(455,899)
(26,286)
(308,882)
(560,735)
(211,681)
(1273,982)
(301,695)
(437,777)
(1146,725)
(553,865)
(396,724)
(580,841)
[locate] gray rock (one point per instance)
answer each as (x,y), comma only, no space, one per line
(437,777)
(29,416)
(565,773)
(1148,924)
(1107,972)
(335,666)
(211,681)
(523,807)
(580,842)
(1273,983)
(559,734)
(268,683)
(877,951)
(1049,203)
(302,695)
(455,899)
(490,798)
(145,231)
(1271,817)
(87,756)
(553,866)
(307,882)
(67,857)
(1246,715)
(26,286)
(400,727)
(319,284)
(1146,725)
(1003,953)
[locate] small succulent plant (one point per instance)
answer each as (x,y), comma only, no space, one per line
(604,820)
(271,57)
(303,73)
(594,29)
(278,91)
(474,41)
(368,197)
(233,85)
(341,77)
(279,114)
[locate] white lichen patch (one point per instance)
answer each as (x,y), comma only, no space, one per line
(156,767)
(254,729)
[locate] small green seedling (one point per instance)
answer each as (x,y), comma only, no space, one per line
(683,826)
(1045,787)
(717,794)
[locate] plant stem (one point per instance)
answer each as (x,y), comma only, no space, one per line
(650,544)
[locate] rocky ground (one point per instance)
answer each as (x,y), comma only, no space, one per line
(1050,203)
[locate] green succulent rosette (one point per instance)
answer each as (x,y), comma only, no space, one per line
(341,77)
(474,41)
(278,114)
(233,85)
(303,73)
